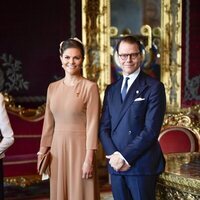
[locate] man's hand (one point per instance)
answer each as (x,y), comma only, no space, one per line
(116,161)
(124,168)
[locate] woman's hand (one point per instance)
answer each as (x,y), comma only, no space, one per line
(40,155)
(87,170)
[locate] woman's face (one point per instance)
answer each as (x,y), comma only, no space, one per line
(72,61)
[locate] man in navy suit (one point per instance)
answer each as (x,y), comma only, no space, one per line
(130,127)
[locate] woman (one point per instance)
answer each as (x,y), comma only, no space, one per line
(70,128)
(6,139)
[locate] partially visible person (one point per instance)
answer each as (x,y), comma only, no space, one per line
(70,129)
(6,139)
(132,116)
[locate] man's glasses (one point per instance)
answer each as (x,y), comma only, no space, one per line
(132,56)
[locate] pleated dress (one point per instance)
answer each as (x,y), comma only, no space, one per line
(70,128)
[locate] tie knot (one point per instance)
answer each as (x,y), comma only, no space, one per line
(126,79)
(126,82)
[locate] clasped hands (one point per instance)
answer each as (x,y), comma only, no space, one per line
(117,162)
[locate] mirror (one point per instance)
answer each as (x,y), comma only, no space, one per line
(156,22)
(142,19)
(130,15)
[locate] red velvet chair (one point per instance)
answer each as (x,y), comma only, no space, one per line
(178,140)
(179,134)
(20,163)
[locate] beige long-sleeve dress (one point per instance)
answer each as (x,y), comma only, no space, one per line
(70,128)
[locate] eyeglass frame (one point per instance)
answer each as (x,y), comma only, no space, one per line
(132,55)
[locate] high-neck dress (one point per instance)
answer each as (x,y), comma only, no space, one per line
(70,128)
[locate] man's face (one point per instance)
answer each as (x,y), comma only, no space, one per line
(129,57)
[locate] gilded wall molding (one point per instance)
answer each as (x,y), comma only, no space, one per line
(28,114)
(171,13)
(96,38)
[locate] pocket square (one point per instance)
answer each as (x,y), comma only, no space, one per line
(139,99)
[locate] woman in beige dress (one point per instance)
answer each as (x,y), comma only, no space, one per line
(70,129)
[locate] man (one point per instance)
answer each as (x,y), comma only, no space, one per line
(129,128)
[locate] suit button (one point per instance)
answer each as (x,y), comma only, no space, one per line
(129,132)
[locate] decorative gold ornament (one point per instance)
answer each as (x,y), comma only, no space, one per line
(181,179)
(96,37)
(28,114)
(22,181)
(171,13)
(147,31)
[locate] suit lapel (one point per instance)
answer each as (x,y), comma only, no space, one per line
(116,100)
(134,92)
(117,93)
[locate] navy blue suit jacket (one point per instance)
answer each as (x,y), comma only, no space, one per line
(133,127)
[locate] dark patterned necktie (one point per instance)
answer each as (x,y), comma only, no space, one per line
(124,90)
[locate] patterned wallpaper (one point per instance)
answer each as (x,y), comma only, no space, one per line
(30,34)
(190,53)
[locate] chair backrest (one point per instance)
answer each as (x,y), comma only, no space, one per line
(21,157)
(180,133)
(178,140)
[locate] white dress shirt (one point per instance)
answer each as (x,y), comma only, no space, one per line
(131,79)
(5,128)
